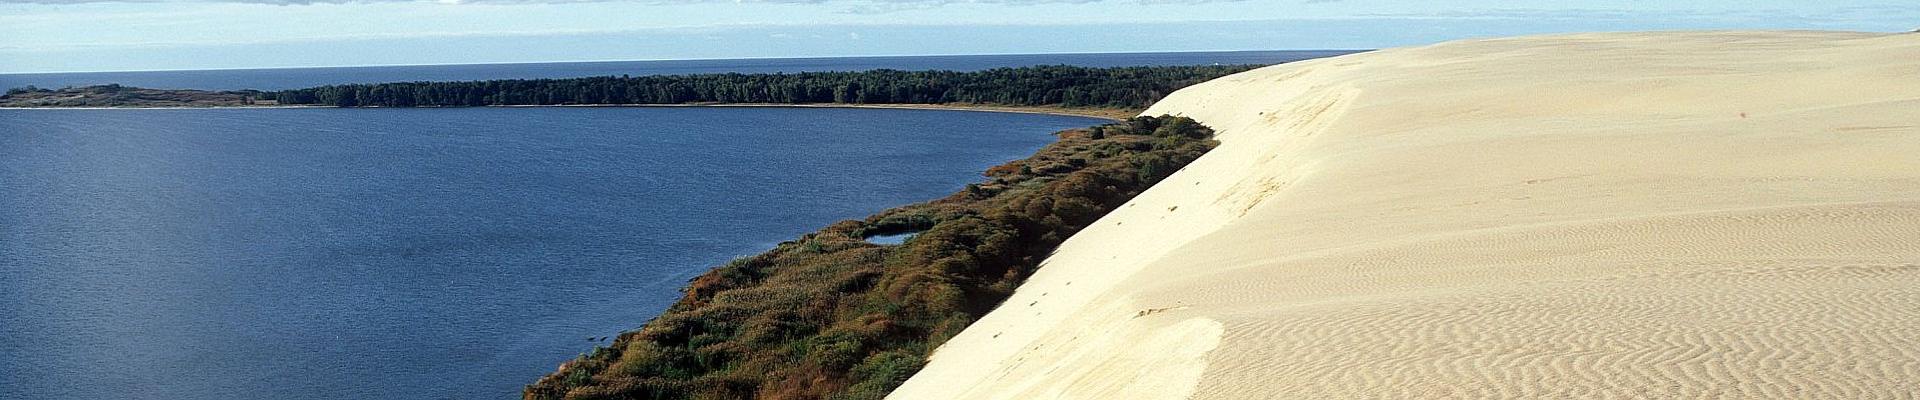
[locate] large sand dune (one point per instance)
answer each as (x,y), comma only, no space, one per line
(1667,215)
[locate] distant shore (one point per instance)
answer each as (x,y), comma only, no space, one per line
(1102,113)
(1109,93)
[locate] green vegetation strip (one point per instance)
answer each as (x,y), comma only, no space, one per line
(832,316)
(1129,88)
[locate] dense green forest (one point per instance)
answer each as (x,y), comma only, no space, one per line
(832,316)
(1057,85)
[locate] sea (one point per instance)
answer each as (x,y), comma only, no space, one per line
(447,253)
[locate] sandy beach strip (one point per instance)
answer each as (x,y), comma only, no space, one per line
(1102,113)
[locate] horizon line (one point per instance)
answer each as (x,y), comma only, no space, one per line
(669,59)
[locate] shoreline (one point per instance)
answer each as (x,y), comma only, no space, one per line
(1112,114)
(844,277)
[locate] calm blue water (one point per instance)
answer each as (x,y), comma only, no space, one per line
(412,253)
(288,78)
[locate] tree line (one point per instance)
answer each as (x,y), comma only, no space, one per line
(1053,85)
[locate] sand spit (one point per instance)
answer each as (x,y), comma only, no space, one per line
(1622,215)
(1104,113)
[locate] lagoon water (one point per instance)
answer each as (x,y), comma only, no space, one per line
(412,253)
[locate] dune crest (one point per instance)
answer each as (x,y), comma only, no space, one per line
(1673,215)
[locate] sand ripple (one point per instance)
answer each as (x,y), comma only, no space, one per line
(1622,215)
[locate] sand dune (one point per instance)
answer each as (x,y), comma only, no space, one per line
(1627,215)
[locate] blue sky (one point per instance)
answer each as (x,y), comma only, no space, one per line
(96,35)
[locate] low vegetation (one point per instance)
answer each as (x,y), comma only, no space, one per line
(1127,89)
(832,316)
(1055,85)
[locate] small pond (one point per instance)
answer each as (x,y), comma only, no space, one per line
(896,238)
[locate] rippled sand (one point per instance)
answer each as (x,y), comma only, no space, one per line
(1622,215)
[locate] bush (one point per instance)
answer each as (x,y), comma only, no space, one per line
(880,373)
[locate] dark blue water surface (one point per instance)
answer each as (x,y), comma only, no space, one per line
(412,253)
(288,78)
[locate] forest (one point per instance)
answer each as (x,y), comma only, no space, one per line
(1055,85)
(831,316)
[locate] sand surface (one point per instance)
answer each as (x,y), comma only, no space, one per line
(1623,215)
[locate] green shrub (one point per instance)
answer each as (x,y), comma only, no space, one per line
(880,373)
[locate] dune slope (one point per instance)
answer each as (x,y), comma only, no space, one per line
(1676,215)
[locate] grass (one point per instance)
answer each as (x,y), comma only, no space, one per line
(830,316)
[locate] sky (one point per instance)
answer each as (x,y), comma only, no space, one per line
(126,35)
